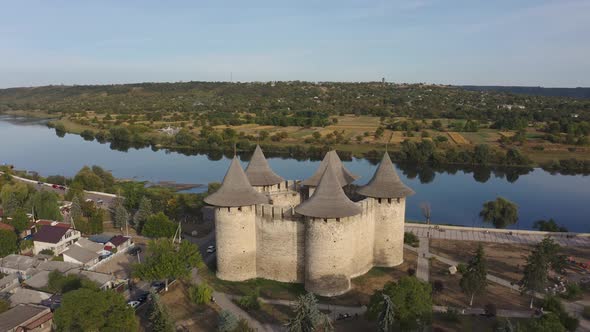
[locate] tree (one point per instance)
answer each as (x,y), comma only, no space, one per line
(543,257)
(166,260)
(227,321)
(14,196)
(89,180)
(308,317)
(20,220)
(76,209)
(94,310)
(120,214)
(8,243)
(142,213)
(474,280)
(158,225)
(159,317)
(412,300)
(481,154)
(548,226)
(548,323)
(500,213)
(200,294)
(387,315)
(45,205)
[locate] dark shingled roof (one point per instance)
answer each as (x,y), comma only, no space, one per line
(259,172)
(385,182)
(328,199)
(343,175)
(118,240)
(50,234)
(235,189)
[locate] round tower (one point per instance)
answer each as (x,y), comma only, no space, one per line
(388,195)
(235,224)
(343,175)
(330,236)
(260,175)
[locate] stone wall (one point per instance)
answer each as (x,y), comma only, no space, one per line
(235,231)
(280,239)
(329,254)
(364,240)
(389,217)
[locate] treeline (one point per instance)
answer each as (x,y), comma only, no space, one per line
(292,103)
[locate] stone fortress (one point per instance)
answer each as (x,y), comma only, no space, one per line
(307,232)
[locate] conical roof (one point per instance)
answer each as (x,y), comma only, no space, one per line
(342,174)
(235,189)
(385,182)
(328,200)
(259,172)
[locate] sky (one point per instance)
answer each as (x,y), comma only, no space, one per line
(499,42)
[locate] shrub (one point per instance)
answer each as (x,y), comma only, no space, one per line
(451,315)
(573,292)
(47,252)
(250,301)
(462,268)
(227,322)
(438,286)
(411,239)
(200,294)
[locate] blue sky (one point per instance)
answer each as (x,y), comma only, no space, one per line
(516,42)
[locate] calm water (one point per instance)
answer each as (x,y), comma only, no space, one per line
(455,198)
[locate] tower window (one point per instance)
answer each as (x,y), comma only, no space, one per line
(240,208)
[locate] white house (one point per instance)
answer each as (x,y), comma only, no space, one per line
(57,237)
(78,255)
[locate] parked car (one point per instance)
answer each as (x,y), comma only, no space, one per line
(62,187)
(143,297)
(133,304)
(54,186)
(134,251)
(210,249)
(100,201)
(158,286)
(39,183)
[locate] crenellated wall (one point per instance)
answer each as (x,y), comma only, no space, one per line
(282,194)
(280,244)
(235,232)
(389,231)
(270,241)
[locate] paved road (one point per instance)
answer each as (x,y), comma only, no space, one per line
(93,195)
(498,236)
(423,268)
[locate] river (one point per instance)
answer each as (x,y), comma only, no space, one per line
(455,197)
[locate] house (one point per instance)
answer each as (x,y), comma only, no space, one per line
(21,295)
(9,282)
(38,280)
(56,237)
(26,318)
(118,242)
(90,245)
(17,264)
(62,267)
(79,255)
(103,280)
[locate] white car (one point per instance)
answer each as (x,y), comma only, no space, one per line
(133,304)
(210,249)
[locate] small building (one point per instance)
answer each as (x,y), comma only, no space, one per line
(90,245)
(9,282)
(55,237)
(103,280)
(82,256)
(118,242)
(17,264)
(26,318)
(62,267)
(38,281)
(21,295)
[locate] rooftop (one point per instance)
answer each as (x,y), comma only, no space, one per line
(89,245)
(38,280)
(13,318)
(329,200)
(27,296)
(236,189)
(385,182)
(7,227)
(50,234)
(101,238)
(56,265)
(80,254)
(259,172)
(118,240)
(343,175)
(17,262)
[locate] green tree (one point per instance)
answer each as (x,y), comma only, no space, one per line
(14,196)
(227,322)
(387,315)
(45,205)
(474,280)
(548,323)
(158,225)
(120,214)
(200,294)
(94,310)
(307,316)
(166,260)
(548,226)
(159,317)
(89,180)
(142,213)
(20,220)
(500,213)
(543,257)
(76,209)
(8,242)
(481,154)
(412,300)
